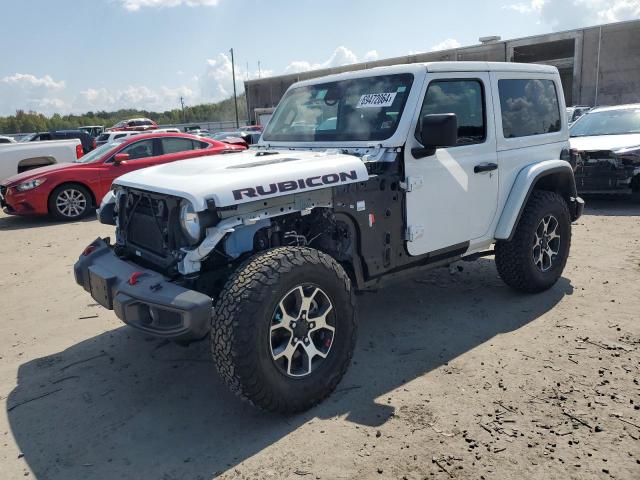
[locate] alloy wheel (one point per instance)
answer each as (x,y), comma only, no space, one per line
(546,243)
(71,202)
(302,330)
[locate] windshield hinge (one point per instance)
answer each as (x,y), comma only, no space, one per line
(412,183)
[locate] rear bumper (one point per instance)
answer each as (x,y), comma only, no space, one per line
(152,304)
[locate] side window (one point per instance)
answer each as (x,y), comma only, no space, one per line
(175,145)
(120,135)
(141,149)
(465,98)
(529,107)
(199,145)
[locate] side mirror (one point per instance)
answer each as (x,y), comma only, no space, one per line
(437,130)
(120,158)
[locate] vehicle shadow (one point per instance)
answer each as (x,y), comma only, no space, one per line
(12,222)
(611,206)
(120,404)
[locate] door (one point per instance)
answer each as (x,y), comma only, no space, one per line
(142,154)
(453,195)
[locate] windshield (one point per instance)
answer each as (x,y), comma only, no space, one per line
(609,122)
(28,138)
(97,153)
(361,109)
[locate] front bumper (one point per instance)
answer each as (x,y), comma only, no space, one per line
(578,208)
(147,300)
(31,202)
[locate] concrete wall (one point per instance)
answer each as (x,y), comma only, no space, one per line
(618,72)
(618,78)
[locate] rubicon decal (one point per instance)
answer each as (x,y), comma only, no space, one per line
(292,185)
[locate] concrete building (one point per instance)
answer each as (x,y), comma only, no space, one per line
(598,65)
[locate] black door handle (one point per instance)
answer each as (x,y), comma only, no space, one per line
(485,167)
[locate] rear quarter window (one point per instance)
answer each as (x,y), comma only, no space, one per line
(103,137)
(529,107)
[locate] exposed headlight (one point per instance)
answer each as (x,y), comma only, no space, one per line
(30,185)
(190,222)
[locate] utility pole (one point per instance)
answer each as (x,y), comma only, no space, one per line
(235,97)
(184,120)
(258,68)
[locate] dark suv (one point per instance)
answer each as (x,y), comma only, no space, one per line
(85,139)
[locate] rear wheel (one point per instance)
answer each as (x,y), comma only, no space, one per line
(70,202)
(284,329)
(533,260)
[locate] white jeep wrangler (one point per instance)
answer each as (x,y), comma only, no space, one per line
(357,177)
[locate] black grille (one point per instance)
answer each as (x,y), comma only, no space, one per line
(147,227)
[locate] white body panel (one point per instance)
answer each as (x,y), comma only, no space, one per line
(217,177)
(13,155)
(454,205)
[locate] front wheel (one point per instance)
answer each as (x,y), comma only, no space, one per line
(284,329)
(533,260)
(70,202)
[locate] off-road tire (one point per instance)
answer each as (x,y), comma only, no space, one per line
(241,322)
(514,258)
(53,199)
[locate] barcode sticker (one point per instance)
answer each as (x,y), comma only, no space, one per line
(376,100)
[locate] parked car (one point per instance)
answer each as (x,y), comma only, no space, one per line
(85,139)
(168,130)
(605,150)
(93,130)
(19,157)
(228,137)
(252,128)
(135,124)
(108,137)
(574,113)
(69,192)
(4,139)
(427,164)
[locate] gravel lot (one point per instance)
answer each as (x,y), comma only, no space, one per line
(455,376)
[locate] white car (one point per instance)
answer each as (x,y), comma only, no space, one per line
(605,147)
(18,157)
(108,137)
(4,139)
(425,164)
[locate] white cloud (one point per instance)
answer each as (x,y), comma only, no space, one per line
(28,81)
(370,56)
(567,14)
(142,97)
(29,92)
(447,44)
(135,5)
(341,56)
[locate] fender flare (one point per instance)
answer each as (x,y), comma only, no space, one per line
(553,175)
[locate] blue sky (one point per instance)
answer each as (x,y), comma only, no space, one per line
(78,55)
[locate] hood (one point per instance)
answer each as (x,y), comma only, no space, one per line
(249,176)
(37,173)
(605,142)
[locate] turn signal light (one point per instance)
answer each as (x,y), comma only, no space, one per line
(88,250)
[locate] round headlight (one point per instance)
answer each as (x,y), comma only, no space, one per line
(190,222)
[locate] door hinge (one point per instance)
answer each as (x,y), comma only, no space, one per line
(413,232)
(412,183)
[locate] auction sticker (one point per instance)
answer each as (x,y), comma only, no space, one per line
(376,100)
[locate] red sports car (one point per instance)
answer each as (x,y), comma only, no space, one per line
(69,191)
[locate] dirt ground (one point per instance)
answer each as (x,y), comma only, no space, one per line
(454,376)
